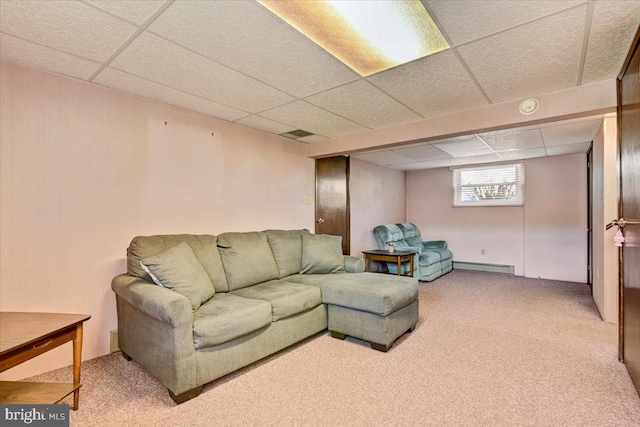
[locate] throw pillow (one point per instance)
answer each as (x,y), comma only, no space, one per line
(178,269)
(321,254)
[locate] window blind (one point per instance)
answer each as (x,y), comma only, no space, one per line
(495,185)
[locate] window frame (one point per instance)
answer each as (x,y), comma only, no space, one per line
(519,184)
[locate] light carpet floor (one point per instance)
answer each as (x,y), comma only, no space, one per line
(489,350)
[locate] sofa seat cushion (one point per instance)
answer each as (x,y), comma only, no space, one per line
(371,292)
(286,298)
(226,317)
(444,253)
(429,257)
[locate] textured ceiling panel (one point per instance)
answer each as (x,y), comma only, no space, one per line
(305,116)
(560,150)
(136,12)
(164,62)
(612,29)
(365,104)
(135,85)
(570,134)
(18,50)
(539,57)
(513,139)
(428,164)
(468,20)
(422,152)
(523,154)
(265,124)
(384,158)
(432,86)
(486,158)
(72,27)
(464,146)
(272,51)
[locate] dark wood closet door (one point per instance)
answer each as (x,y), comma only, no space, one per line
(332,199)
(629,121)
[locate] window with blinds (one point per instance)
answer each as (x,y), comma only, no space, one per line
(496,185)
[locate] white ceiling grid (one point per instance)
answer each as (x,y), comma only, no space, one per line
(237,61)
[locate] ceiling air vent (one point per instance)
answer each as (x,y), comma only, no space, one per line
(295,134)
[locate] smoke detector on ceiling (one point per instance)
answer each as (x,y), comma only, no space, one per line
(529,106)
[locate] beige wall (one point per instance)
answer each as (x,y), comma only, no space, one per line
(377,195)
(546,238)
(84,169)
(605,209)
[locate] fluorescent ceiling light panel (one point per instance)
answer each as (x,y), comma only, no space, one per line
(368,36)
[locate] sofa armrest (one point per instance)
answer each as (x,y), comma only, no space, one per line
(353,264)
(160,303)
(438,244)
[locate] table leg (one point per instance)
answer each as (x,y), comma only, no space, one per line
(77,363)
(412,257)
(399,267)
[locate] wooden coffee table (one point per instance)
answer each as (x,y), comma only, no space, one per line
(24,336)
(380,255)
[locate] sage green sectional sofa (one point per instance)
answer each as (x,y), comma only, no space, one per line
(193,308)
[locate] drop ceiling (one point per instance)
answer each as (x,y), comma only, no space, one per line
(237,61)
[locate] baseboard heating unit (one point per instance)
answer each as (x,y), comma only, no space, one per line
(487,268)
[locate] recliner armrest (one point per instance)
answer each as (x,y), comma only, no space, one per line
(158,302)
(353,264)
(438,244)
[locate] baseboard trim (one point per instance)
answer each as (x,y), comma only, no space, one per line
(487,268)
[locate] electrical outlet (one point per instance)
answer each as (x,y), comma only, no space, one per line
(306,199)
(481,251)
(113,343)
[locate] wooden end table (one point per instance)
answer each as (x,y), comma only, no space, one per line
(380,255)
(24,336)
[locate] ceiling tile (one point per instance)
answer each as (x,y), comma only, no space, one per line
(302,115)
(383,158)
(311,138)
(266,125)
(72,27)
(156,59)
(24,52)
(468,20)
(428,164)
(513,139)
(570,134)
(422,152)
(559,150)
(272,51)
(509,65)
(136,12)
(464,146)
(135,85)
(432,86)
(529,153)
(613,27)
(365,104)
(486,158)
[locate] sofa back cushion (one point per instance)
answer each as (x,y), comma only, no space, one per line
(411,234)
(321,254)
(203,246)
(178,269)
(247,259)
(391,234)
(287,250)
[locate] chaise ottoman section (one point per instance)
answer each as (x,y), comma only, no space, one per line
(373,307)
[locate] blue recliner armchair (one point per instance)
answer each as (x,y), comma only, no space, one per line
(433,258)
